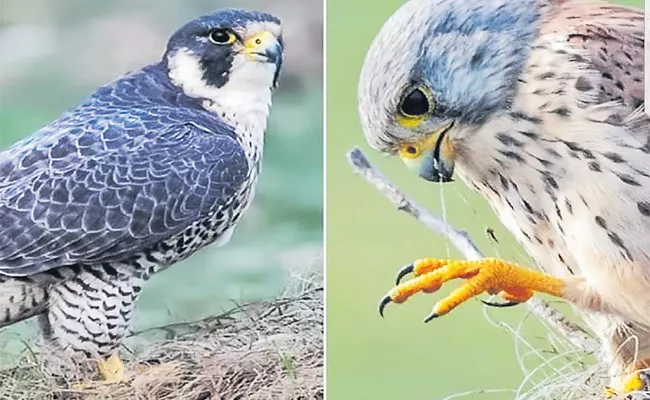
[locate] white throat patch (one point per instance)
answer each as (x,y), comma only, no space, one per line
(243,102)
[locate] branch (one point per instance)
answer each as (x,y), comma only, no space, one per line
(462,241)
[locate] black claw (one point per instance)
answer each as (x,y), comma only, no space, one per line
(382,304)
(405,270)
(431,317)
(501,305)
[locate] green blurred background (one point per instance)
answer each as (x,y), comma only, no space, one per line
(399,357)
(54,53)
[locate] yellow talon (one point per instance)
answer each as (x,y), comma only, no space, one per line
(517,295)
(427,265)
(486,275)
(112,369)
(633,383)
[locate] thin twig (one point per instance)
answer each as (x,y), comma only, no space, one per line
(462,241)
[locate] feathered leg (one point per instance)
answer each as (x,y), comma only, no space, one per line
(90,313)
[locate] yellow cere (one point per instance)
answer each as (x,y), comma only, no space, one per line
(409,151)
(259,39)
(415,150)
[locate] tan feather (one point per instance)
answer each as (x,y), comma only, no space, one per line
(612,37)
(583,88)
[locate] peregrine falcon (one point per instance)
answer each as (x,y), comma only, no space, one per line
(539,106)
(142,174)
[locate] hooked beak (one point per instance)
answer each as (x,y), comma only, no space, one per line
(431,158)
(264,47)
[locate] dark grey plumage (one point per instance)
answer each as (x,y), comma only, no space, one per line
(137,177)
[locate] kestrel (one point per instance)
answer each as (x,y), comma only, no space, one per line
(142,174)
(537,105)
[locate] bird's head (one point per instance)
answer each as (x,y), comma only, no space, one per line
(438,70)
(229,50)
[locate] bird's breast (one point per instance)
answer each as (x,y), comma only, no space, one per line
(528,183)
(577,207)
(537,223)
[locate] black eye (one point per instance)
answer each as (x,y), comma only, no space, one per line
(415,104)
(222,36)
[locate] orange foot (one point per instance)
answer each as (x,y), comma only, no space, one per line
(513,282)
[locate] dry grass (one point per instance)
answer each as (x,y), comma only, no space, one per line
(552,366)
(555,368)
(264,350)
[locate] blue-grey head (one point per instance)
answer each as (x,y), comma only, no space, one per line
(437,71)
(227,53)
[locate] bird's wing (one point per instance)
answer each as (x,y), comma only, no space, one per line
(612,38)
(65,202)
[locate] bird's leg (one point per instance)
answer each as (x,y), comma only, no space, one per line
(111,369)
(488,275)
(518,284)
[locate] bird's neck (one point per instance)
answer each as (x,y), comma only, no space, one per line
(247,113)
(533,139)
(243,101)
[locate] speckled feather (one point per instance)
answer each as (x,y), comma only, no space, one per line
(135,164)
(562,153)
(571,166)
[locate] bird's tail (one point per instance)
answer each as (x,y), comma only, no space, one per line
(21,299)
